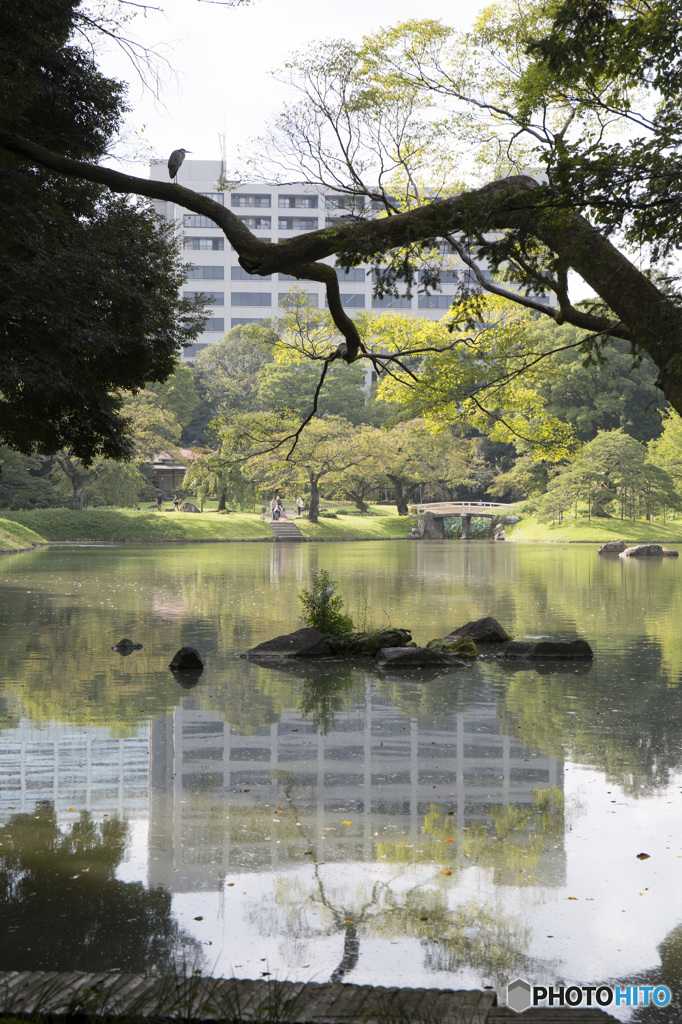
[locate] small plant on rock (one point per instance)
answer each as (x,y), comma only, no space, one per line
(323,608)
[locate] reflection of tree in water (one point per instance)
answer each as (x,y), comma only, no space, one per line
(462,936)
(62,908)
(322,696)
(452,937)
(616,720)
(668,973)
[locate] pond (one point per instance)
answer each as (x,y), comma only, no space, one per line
(318,822)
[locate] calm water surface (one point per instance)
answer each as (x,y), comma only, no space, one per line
(327,822)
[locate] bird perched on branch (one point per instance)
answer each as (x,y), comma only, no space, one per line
(175,160)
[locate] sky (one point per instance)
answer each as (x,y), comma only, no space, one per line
(223,58)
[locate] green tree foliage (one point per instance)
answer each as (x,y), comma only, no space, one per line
(483,375)
(23,480)
(177,395)
(152,430)
(615,63)
(290,387)
(611,475)
(613,389)
(265,441)
(227,374)
(89,301)
(62,882)
(414,454)
(666,451)
(322,606)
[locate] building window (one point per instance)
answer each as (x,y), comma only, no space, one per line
(291,277)
(197,273)
(353,203)
(216,244)
(256,223)
(215,323)
(193,220)
(237,321)
(297,223)
(217,197)
(352,301)
(193,350)
(297,202)
(239,274)
(251,299)
(250,200)
(435,301)
(354,274)
(214,298)
(392,302)
(443,275)
(292,298)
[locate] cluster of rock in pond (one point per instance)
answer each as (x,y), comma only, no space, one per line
(394,648)
(619,547)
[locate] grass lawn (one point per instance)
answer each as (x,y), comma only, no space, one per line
(383,524)
(596,530)
(120,524)
(16,537)
(111,524)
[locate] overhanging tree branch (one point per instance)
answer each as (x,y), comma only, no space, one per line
(645,315)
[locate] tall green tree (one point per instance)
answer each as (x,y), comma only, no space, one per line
(616,388)
(611,475)
(89,304)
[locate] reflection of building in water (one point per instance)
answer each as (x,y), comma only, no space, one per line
(83,769)
(214,792)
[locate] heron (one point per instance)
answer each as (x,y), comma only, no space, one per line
(175,160)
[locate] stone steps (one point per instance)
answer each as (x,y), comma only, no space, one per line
(285,529)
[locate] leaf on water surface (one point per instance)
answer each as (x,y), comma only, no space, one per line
(447,872)
(572,897)
(643,856)
(200,918)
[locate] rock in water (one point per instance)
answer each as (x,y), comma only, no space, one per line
(554,649)
(414,657)
(126,646)
(486,630)
(303,643)
(648,550)
(612,547)
(186,657)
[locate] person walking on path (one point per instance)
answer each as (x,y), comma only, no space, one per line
(159,501)
(176,502)
(300,505)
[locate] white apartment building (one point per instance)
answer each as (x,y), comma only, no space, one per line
(274,213)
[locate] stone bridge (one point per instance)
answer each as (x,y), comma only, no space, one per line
(431,516)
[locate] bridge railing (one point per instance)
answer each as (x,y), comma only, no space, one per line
(456,508)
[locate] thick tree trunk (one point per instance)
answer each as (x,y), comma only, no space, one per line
(223,498)
(358,500)
(400,497)
(314,509)
(78,499)
(351,952)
